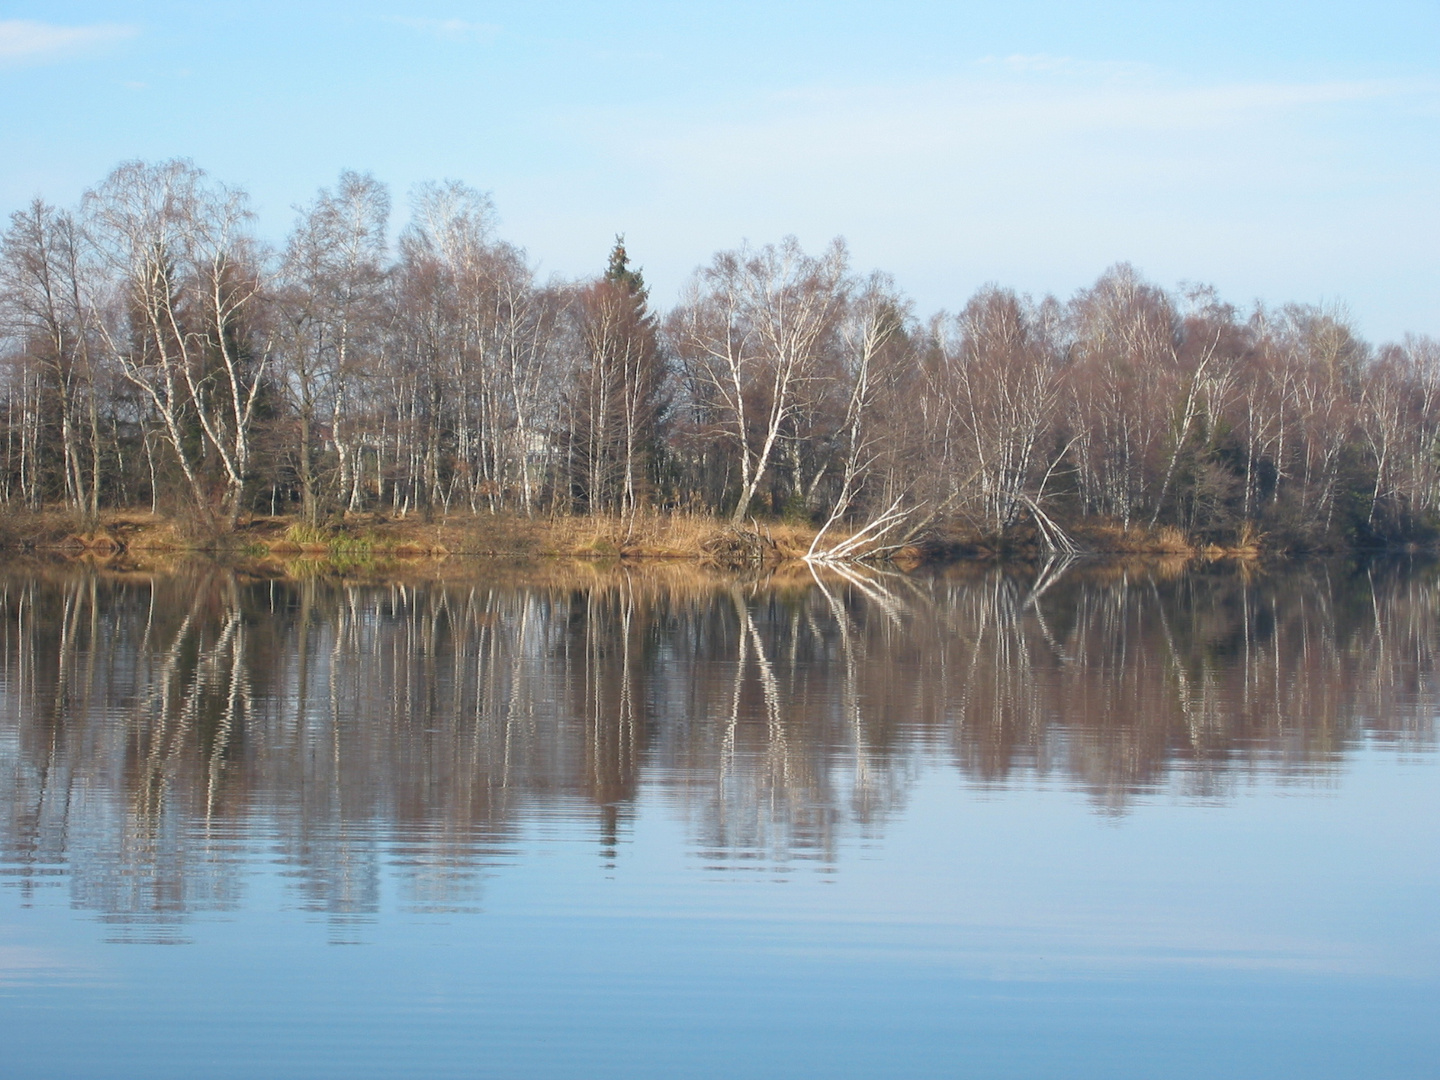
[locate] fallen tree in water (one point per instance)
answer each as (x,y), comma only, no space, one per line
(864,542)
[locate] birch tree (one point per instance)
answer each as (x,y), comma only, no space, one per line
(1123,377)
(998,376)
(751,334)
(179,313)
(42,304)
(333,280)
(873,353)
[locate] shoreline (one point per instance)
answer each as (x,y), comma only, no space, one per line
(368,538)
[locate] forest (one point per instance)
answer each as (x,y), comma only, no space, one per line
(156,352)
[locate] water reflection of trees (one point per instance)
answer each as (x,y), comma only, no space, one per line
(158,734)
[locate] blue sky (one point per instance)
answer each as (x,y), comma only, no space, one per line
(1278,151)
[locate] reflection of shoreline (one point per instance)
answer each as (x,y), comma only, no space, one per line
(147,722)
(576,571)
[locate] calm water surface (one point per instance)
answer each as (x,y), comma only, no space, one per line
(1086,821)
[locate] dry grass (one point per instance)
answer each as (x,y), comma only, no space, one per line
(1168,542)
(26,529)
(1110,538)
(373,540)
(66,531)
(373,537)
(1249,544)
(646,535)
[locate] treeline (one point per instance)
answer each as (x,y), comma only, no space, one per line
(157,353)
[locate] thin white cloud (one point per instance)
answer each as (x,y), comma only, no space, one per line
(26,40)
(952,123)
(1045,64)
(1040,176)
(452,29)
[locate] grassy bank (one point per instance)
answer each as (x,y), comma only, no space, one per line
(372,538)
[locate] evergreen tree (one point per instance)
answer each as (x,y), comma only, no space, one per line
(616,402)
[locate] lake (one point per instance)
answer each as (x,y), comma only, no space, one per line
(1103,819)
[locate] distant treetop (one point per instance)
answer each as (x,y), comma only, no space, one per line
(619,269)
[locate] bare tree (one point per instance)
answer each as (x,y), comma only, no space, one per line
(1124,377)
(751,335)
(1420,358)
(1327,361)
(998,375)
(478,390)
(41,303)
(179,312)
(1399,419)
(874,353)
(332,283)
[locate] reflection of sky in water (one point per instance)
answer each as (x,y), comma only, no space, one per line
(1180,825)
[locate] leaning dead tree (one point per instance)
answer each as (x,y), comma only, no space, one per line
(871,335)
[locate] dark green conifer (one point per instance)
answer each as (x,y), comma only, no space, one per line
(619,271)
